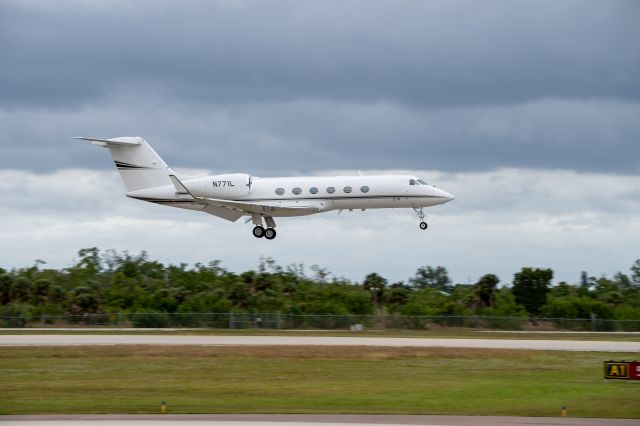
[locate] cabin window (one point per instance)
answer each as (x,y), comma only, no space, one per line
(347,189)
(364,189)
(280,191)
(296,191)
(313,190)
(331,190)
(413,182)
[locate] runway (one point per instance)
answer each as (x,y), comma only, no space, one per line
(301,420)
(181,340)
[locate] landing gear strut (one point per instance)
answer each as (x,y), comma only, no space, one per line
(259,231)
(420,213)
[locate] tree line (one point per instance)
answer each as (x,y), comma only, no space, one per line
(103,282)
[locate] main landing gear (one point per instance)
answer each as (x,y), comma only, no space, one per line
(420,213)
(259,231)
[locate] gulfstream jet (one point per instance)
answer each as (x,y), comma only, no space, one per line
(232,196)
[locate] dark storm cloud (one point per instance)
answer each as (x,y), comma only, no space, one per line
(431,53)
(291,86)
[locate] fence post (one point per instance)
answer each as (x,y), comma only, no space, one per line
(593,321)
(230,319)
(278,324)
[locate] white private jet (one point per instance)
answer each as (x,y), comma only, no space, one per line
(231,196)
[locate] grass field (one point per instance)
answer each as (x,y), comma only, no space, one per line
(452,333)
(135,379)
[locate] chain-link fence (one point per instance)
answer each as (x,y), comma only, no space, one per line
(283,321)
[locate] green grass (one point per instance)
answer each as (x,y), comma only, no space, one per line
(134,379)
(435,333)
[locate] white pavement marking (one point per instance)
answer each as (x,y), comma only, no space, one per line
(187,422)
(107,339)
(85,329)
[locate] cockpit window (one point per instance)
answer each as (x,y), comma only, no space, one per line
(413,182)
(421,182)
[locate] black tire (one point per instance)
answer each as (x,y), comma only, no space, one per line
(258,231)
(270,233)
(423,225)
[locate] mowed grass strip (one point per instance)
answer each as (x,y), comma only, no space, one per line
(440,333)
(310,379)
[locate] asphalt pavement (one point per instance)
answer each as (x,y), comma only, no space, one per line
(182,340)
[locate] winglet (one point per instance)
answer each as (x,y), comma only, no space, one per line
(180,188)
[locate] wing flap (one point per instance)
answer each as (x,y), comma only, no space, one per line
(223,212)
(263,209)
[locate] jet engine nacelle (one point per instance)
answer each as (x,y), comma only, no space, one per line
(221,186)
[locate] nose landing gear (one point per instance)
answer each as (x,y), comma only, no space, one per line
(420,213)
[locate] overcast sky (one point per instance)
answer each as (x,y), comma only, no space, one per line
(528,112)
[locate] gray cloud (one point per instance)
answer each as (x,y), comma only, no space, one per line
(424,53)
(307,136)
(500,221)
(290,87)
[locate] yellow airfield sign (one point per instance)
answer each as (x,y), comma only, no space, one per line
(628,370)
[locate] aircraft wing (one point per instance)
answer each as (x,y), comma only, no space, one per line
(232,210)
(267,209)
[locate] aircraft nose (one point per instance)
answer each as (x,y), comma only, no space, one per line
(444,194)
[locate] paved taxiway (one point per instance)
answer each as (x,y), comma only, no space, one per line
(181,340)
(300,420)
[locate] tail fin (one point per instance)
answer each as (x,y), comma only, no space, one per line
(139,165)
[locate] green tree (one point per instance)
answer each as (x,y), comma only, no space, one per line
(396,296)
(90,260)
(635,272)
(41,290)
(428,277)
(6,283)
(21,288)
(485,290)
(375,284)
(530,288)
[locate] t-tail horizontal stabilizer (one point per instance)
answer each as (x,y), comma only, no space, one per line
(138,164)
(123,141)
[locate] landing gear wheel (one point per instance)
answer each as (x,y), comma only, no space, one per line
(420,213)
(270,233)
(258,231)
